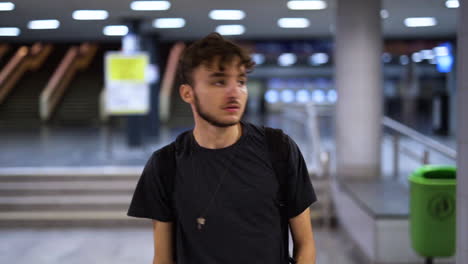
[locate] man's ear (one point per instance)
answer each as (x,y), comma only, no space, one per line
(186,93)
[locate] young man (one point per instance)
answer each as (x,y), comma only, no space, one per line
(220,204)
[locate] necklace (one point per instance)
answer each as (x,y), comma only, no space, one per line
(201,220)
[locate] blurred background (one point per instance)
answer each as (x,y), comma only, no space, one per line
(88,90)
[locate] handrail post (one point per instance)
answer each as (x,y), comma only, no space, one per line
(396,155)
(425,159)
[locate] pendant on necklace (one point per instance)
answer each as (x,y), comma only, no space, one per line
(201,222)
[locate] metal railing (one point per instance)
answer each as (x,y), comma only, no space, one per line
(399,130)
(302,121)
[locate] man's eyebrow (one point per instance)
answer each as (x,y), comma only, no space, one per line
(217,74)
(222,74)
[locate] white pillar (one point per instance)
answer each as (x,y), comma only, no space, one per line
(358,70)
(462,134)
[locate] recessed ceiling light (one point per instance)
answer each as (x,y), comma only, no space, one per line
(150,5)
(416,57)
(258,58)
(307,5)
(384,14)
(386,57)
(452,4)
(6,6)
(230,29)
(44,24)
(115,30)
(293,22)
(90,14)
(9,31)
(404,60)
(318,58)
(441,51)
(420,21)
(427,54)
(287,59)
(169,23)
(227,14)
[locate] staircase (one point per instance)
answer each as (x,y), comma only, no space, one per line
(67,197)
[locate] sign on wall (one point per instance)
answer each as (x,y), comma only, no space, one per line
(127,88)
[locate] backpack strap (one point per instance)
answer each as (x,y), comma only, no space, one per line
(278,149)
(168,155)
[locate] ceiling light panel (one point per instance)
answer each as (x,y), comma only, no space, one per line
(452,4)
(227,14)
(150,5)
(115,30)
(293,22)
(169,23)
(7,6)
(307,5)
(9,31)
(420,22)
(230,29)
(90,15)
(44,24)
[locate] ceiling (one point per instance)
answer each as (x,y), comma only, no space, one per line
(260,21)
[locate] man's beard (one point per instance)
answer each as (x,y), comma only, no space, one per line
(210,118)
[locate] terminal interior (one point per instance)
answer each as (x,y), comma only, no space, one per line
(69,163)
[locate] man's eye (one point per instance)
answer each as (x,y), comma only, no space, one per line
(219,83)
(241,82)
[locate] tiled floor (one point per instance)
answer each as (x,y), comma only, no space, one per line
(125,245)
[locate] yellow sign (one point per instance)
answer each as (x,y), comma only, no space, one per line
(127,68)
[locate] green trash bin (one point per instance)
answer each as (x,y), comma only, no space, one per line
(432,211)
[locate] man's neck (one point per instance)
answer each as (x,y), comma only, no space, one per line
(212,137)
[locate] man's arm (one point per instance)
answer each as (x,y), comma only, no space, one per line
(304,245)
(163,244)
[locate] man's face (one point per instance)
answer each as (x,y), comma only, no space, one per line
(220,96)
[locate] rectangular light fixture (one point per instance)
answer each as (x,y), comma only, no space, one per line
(6,6)
(44,24)
(307,5)
(9,31)
(230,29)
(420,21)
(226,14)
(169,23)
(452,4)
(115,30)
(296,22)
(90,14)
(150,5)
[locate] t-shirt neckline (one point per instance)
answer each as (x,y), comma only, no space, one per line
(197,146)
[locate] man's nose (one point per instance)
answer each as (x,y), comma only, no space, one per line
(234,88)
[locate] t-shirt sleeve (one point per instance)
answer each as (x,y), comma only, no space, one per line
(301,193)
(152,198)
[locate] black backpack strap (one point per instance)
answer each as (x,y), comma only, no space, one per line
(279,154)
(168,155)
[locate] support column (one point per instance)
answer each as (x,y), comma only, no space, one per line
(150,44)
(131,43)
(358,69)
(462,135)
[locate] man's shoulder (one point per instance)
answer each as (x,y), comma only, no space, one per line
(170,148)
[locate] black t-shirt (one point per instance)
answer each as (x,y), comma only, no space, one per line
(243,219)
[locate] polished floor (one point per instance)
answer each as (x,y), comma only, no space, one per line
(125,245)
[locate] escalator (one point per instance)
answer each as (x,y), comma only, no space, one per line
(80,103)
(21,107)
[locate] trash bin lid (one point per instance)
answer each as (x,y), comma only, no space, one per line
(434,175)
